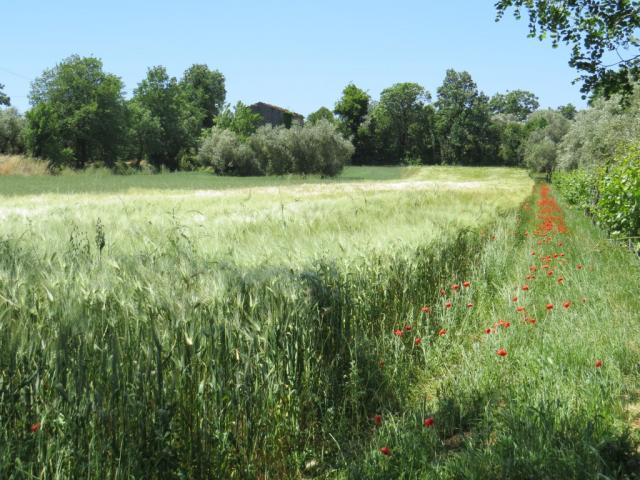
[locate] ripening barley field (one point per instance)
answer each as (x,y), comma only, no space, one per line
(418,322)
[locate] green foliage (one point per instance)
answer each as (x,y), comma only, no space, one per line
(242,120)
(351,109)
(4,98)
(463,122)
(78,114)
(618,207)
(518,103)
(511,135)
(323,113)
(164,132)
(568,111)
(595,30)
(405,121)
(578,188)
(314,148)
(547,129)
(12,131)
(598,132)
(204,90)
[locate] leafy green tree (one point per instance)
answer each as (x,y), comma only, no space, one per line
(568,111)
(541,148)
(323,113)
(78,114)
(242,120)
(12,126)
(403,119)
(158,102)
(602,35)
(204,91)
(518,103)
(4,98)
(463,121)
(511,135)
(352,109)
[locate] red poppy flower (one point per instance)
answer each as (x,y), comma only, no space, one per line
(579,266)
(506,324)
(466,284)
(533,268)
(442,292)
(407,328)
(377,419)
(532,321)
(469,305)
(549,306)
(487,331)
(515,299)
(442,332)
(520,309)
(398,332)
(560,244)
(417,341)
(428,422)
(533,253)
(566,304)
(560,280)
(562,254)
(598,363)
(426,309)
(545,266)
(550,273)
(501,352)
(455,287)
(386,451)
(525,288)
(35,427)
(448,305)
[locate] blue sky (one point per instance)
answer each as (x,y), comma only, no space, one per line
(297,54)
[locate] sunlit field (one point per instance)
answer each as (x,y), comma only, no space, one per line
(391,323)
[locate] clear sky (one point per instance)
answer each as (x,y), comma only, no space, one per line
(297,54)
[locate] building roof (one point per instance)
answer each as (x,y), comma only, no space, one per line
(275,107)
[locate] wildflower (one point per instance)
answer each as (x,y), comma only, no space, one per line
(487,331)
(506,324)
(377,419)
(533,268)
(398,332)
(546,266)
(579,266)
(532,321)
(407,328)
(560,280)
(442,292)
(35,427)
(417,341)
(469,305)
(428,422)
(501,352)
(549,306)
(442,332)
(525,288)
(520,309)
(426,309)
(455,287)
(598,363)
(550,273)
(448,305)
(566,304)
(466,284)
(533,253)
(386,451)
(515,299)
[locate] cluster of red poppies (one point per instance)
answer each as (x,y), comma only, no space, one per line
(550,223)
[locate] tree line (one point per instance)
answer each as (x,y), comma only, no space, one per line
(79,116)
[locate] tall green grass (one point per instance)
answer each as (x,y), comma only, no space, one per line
(146,350)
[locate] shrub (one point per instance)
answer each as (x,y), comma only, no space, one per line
(227,154)
(12,126)
(578,188)
(270,147)
(618,207)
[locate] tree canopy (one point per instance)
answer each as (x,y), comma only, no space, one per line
(602,36)
(4,98)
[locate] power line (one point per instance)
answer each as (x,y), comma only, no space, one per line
(14,73)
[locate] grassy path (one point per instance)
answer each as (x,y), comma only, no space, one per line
(542,380)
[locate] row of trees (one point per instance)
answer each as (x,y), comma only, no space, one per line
(80,116)
(463,126)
